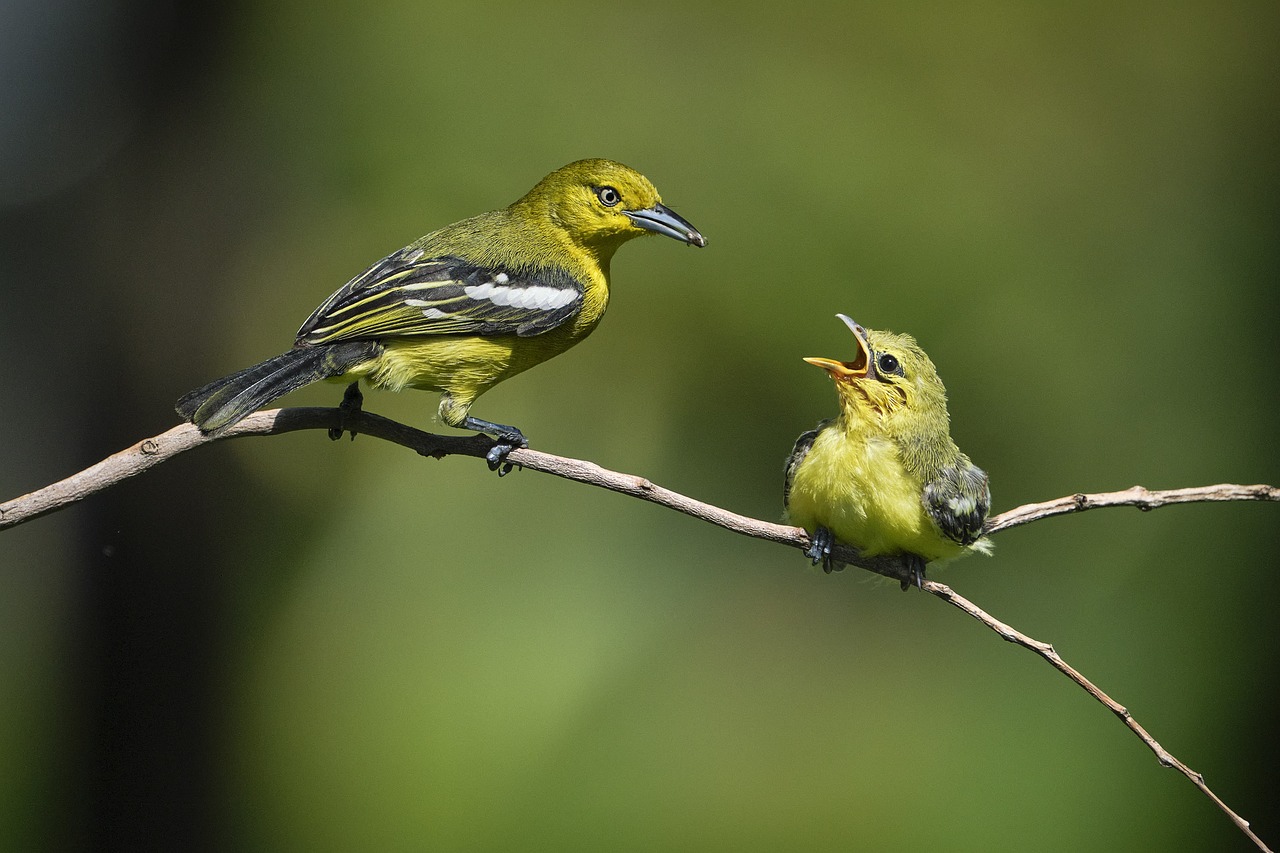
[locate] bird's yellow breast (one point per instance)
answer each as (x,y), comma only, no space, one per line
(856,486)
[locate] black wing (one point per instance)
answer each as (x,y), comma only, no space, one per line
(958,500)
(798,453)
(407,294)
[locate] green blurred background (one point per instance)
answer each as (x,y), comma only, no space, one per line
(289,644)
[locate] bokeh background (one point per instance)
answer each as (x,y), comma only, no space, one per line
(289,644)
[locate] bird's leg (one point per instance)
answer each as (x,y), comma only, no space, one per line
(506,439)
(820,548)
(352,400)
(915,568)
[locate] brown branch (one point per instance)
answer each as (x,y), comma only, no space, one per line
(152,451)
(1137,496)
(1047,651)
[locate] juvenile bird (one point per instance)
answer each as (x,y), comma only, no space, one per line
(467,306)
(884,475)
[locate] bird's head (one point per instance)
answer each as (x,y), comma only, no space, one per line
(889,383)
(601,204)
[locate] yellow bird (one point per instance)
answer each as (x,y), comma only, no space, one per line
(884,475)
(467,306)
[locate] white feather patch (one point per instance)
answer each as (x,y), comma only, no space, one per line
(536,297)
(428,311)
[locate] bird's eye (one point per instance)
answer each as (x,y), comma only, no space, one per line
(888,363)
(608,196)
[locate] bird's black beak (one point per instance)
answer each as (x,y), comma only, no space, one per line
(849,370)
(663,220)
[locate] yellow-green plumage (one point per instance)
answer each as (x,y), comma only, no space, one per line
(469,305)
(856,486)
(884,475)
(554,226)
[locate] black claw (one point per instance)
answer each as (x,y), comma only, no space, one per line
(820,549)
(352,401)
(505,440)
(915,568)
(497,459)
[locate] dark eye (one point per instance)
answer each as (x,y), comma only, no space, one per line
(888,363)
(608,196)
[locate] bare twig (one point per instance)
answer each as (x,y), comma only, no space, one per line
(1143,499)
(1047,651)
(152,451)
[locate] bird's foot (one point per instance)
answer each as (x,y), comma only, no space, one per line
(506,439)
(349,410)
(820,549)
(915,568)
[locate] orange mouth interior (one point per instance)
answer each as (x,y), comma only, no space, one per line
(847,370)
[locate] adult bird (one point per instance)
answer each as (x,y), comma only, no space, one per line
(884,475)
(467,306)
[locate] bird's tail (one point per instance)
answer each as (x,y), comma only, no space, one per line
(224,402)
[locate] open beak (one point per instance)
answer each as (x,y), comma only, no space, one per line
(663,220)
(847,371)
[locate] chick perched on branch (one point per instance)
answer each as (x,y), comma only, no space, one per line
(467,306)
(884,475)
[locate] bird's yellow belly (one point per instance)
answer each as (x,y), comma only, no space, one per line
(463,367)
(443,363)
(865,497)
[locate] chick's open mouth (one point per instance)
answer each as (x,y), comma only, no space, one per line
(847,371)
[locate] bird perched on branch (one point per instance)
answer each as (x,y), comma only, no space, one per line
(884,475)
(467,306)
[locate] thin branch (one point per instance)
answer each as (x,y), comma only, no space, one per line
(152,451)
(1137,496)
(1047,651)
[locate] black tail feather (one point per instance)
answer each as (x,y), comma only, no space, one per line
(226,401)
